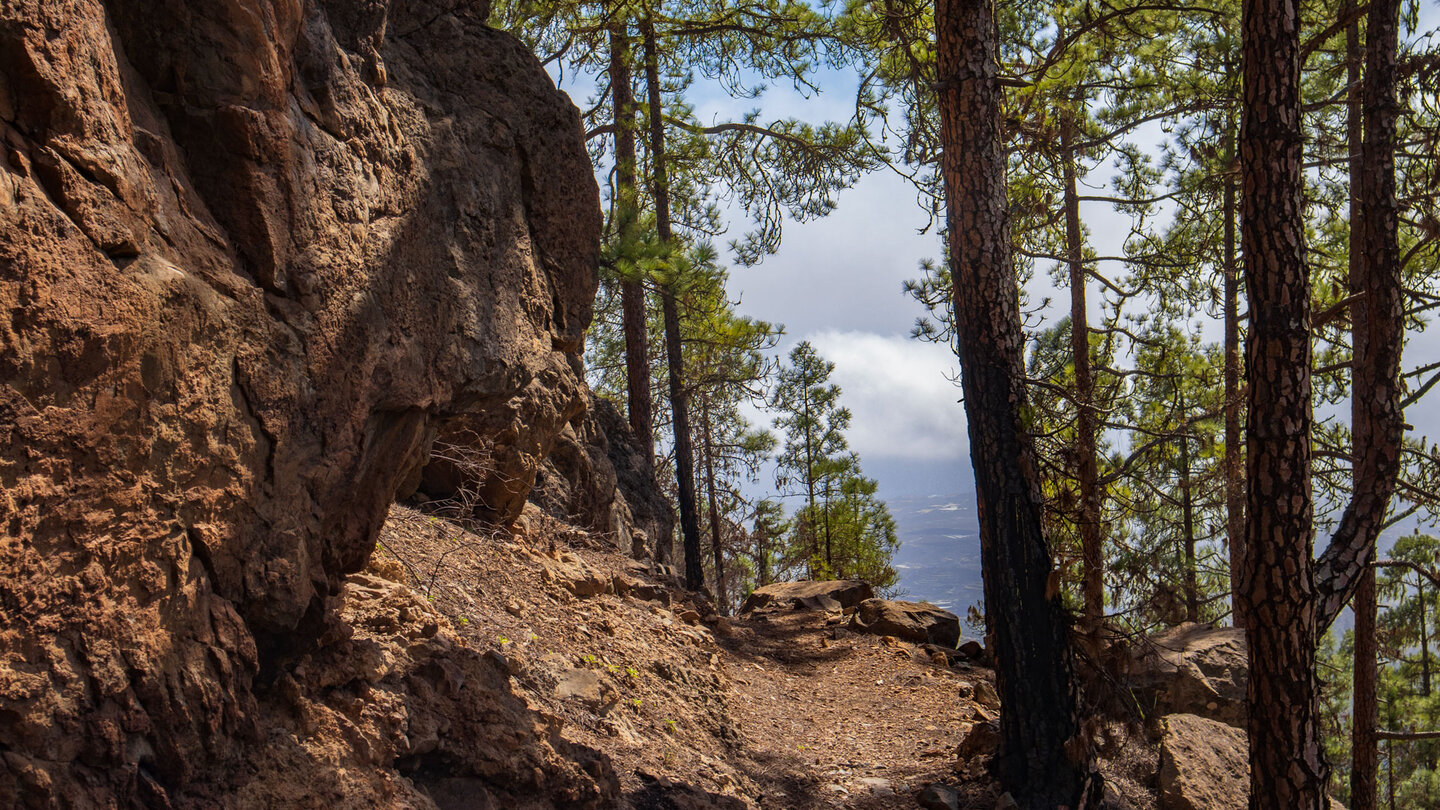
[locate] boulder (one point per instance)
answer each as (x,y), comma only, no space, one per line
(1194,669)
(975,651)
(809,595)
(938,797)
(982,740)
(585,686)
(572,573)
(1204,765)
(912,621)
(254,256)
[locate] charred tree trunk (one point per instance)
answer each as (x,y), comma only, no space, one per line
(632,291)
(1377,330)
(1234,459)
(1364,749)
(1043,759)
(1092,558)
(1365,712)
(714,511)
(679,406)
(1187,525)
(1277,587)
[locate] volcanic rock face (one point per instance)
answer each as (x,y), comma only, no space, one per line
(255,254)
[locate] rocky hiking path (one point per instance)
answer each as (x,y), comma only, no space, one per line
(777,709)
(854,721)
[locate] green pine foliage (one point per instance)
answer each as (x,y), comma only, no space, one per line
(841,530)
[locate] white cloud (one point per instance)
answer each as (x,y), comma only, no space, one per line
(902,402)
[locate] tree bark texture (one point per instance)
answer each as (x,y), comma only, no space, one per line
(716,548)
(1365,714)
(632,292)
(1187,523)
(1377,330)
(1277,588)
(1043,761)
(670,312)
(1234,458)
(1092,552)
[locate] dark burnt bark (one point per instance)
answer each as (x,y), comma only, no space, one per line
(1092,558)
(679,399)
(640,408)
(1277,590)
(1043,761)
(714,508)
(1187,526)
(1234,405)
(1377,331)
(1364,750)
(1365,713)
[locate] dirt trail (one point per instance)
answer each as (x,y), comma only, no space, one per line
(777,710)
(856,722)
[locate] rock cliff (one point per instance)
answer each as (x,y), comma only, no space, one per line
(255,255)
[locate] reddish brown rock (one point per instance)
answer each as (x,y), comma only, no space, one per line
(1204,765)
(809,595)
(1194,669)
(917,622)
(255,254)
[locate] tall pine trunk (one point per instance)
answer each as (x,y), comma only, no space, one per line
(679,406)
(632,291)
(810,485)
(1277,588)
(1377,330)
(1234,459)
(1365,713)
(1092,557)
(1043,761)
(1187,523)
(714,511)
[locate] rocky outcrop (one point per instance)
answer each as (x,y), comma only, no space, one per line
(1204,765)
(833,594)
(1195,669)
(576,481)
(596,477)
(912,621)
(652,517)
(255,255)
(395,692)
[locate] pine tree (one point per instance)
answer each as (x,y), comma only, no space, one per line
(813,423)
(1042,759)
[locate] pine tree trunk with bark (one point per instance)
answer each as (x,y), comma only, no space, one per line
(670,312)
(1277,588)
(1234,458)
(714,508)
(1187,525)
(1365,712)
(1377,325)
(632,291)
(1092,553)
(1043,760)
